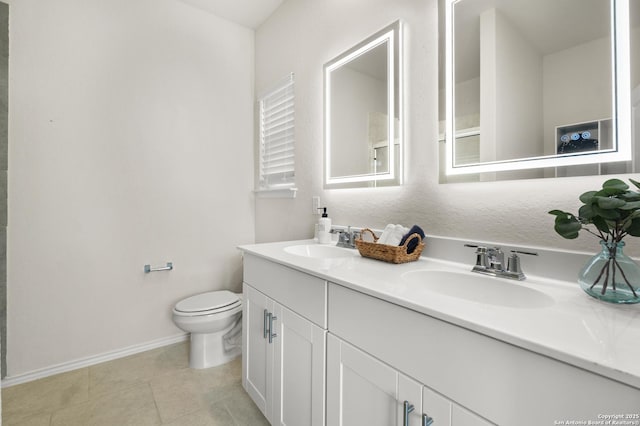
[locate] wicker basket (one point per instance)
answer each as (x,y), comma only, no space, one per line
(386,253)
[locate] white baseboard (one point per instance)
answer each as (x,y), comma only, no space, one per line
(92,360)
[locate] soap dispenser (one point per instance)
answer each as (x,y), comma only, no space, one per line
(324,227)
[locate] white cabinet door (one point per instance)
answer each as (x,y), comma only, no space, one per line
(364,391)
(298,397)
(257,356)
(283,375)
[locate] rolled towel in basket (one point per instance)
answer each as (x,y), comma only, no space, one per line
(388,230)
(395,236)
(415,229)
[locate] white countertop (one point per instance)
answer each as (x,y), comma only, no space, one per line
(575,328)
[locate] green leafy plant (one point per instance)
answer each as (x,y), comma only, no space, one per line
(614,212)
(610,214)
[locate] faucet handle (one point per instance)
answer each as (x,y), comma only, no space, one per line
(513,265)
(481,256)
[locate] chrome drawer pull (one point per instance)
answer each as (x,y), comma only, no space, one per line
(265,324)
(272,335)
(408,408)
(426,420)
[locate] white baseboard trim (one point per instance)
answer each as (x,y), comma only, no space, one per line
(92,360)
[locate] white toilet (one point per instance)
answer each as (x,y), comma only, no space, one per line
(214,320)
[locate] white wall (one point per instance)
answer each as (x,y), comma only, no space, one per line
(304,34)
(130,143)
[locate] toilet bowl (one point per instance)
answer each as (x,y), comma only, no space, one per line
(214,321)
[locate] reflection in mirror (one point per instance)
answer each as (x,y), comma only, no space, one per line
(534,89)
(363,113)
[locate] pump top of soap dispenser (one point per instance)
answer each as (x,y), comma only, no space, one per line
(324,211)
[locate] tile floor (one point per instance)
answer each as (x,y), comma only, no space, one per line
(151,388)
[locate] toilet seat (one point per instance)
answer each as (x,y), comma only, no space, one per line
(213,302)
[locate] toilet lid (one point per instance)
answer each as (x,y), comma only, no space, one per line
(208,301)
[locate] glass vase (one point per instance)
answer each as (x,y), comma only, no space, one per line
(611,275)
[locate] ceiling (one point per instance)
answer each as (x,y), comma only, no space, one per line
(549,25)
(248,13)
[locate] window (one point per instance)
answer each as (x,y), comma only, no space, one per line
(276,137)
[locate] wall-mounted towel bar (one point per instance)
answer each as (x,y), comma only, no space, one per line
(148,268)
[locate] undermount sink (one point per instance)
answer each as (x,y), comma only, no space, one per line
(479,288)
(319,251)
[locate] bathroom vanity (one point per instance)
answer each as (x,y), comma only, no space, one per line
(331,338)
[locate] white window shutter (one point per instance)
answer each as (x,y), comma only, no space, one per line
(277,130)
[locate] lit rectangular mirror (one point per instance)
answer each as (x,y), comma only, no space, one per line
(363,123)
(543,86)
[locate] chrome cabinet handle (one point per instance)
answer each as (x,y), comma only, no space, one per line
(426,420)
(408,408)
(272,335)
(265,324)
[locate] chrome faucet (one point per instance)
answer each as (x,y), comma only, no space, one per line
(346,238)
(490,261)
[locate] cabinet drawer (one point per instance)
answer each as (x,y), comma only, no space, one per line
(304,294)
(501,382)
